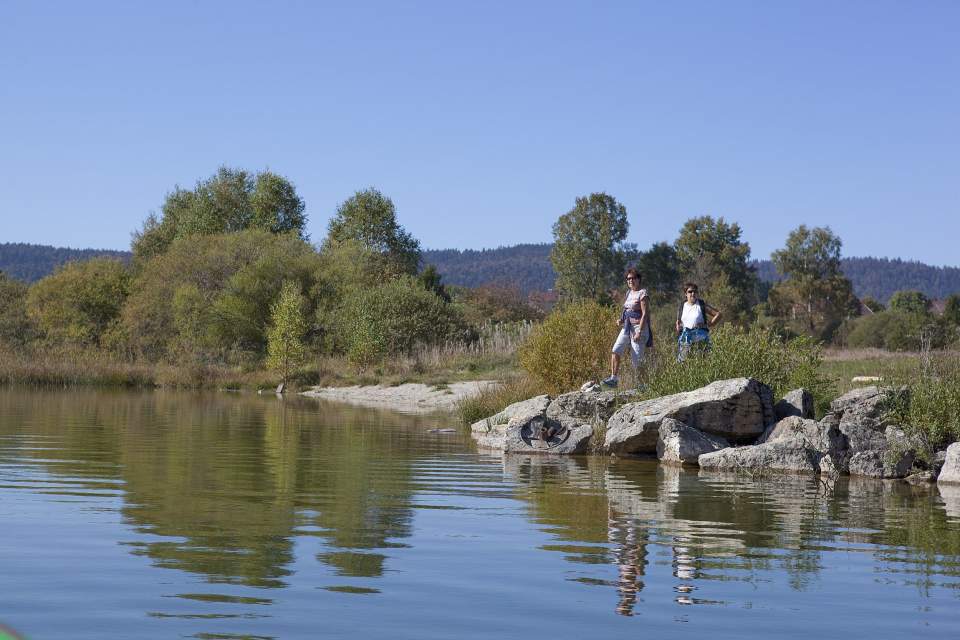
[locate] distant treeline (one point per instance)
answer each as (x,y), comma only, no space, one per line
(31,262)
(528,267)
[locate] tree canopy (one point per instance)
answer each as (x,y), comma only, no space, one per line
(229,201)
(370,219)
(711,253)
(589,252)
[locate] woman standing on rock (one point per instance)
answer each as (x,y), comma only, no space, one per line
(694,319)
(634,326)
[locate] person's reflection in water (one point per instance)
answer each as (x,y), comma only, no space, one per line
(631,559)
(684,569)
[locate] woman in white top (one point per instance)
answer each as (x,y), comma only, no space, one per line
(634,326)
(694,319)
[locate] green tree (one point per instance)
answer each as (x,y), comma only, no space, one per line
(392,318)
(370,219)
(285,348)
(231,200)
(589,252)
(78,302)
(711,253)
(951,310)
(815,297)
(208,297)
(910,302)
(15,326)
(660,270)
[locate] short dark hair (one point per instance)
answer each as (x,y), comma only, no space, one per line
(633,272)
(691,285)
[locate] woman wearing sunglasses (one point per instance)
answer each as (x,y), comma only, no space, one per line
(634,326)
(694,319)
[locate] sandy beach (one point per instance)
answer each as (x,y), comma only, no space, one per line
(405,398)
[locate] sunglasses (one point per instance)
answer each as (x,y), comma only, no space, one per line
(691,290)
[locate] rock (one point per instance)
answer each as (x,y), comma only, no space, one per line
(950,473)
(798,402)
(876,463)
(865,379)
(679,444)
(950,494)
(863,407)
(939,458)
(531,407)
(782,455)
(591,386)
(831,419)
(736,409)
(589,405)
(540,434)
(863,438)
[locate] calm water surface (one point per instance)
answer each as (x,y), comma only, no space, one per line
(175,515)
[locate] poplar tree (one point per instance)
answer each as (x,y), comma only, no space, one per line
(285,348)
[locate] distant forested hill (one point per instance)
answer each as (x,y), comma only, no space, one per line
(881,277)
(528,267)
(30,262)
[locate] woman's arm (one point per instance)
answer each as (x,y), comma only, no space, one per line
(643,311)
(716,316)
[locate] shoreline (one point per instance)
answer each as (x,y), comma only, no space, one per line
(411,397)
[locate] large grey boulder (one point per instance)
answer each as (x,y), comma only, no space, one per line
(950,472)
(543,435)
(862,407)
(798,402)
(679,444)
(790,455)
(737,410)
(876,463)
(878,452)
(588,405)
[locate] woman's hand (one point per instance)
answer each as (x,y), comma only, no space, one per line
(678,326)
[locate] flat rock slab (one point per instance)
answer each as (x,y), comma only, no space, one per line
(737,410)
(786,455)
(588,405)
(678,443)
(404,398)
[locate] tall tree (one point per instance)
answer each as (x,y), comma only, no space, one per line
(660,270)
(230,200)
(370,219)
(816,296)
(951,310)
(711,253)
(910,301)
(589,252)
(285,348)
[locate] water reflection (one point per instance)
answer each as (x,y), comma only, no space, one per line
(258,500)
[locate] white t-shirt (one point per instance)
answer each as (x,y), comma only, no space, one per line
(633,297)
(692,316)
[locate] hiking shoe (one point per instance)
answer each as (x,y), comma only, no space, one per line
(610,382)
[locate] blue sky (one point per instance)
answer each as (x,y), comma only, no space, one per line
(484,120)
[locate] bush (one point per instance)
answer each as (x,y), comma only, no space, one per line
(929,411)
(571,346)
(757,353)
(393,318)
(899,331)
(78,302)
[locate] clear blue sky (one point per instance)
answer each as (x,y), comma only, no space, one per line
(484,120)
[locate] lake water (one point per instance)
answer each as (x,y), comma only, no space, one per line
(179,515)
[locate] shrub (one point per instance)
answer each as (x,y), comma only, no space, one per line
(393,318)
(78,302)
(571,346)
(929,411)
(757,353)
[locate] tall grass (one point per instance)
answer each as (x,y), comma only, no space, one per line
(929,410)
(495,399)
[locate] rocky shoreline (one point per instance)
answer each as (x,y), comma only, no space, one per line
(411,397)
(730,425)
